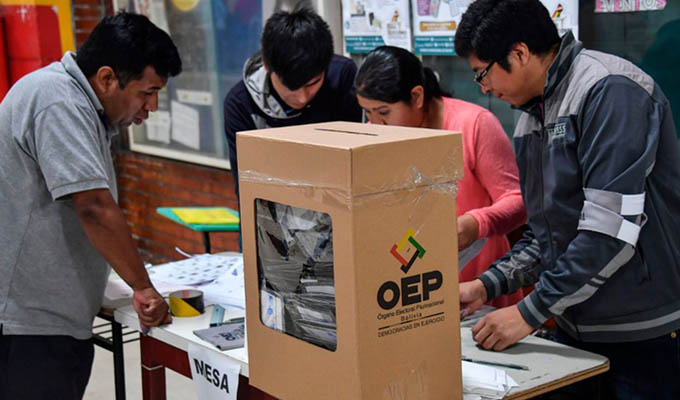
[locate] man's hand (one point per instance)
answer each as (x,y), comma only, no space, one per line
(468,231)
(105,226)
(472,297)
(151,308)
(501,328)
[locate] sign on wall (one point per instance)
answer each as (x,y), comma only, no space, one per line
(434,25)
(367,24)
(611,6)
(435,22)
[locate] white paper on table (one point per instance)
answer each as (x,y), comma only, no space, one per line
(185,125)
(465,256)
(214,375)
(194,271)
(118,293)
(229,288)
(486,381)
(117,289)
(165,288)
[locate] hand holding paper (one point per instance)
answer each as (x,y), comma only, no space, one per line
(472,297)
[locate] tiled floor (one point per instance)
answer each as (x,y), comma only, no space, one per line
(101,386)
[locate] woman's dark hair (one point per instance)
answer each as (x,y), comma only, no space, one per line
(390,73)
(128,43)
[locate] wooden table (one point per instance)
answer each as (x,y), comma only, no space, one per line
(166,347)
(551,365)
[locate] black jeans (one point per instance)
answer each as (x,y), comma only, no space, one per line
(648,369)
(44,367)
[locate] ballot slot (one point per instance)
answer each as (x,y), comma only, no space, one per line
(345,132)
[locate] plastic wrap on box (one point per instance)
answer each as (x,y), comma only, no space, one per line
(295,267)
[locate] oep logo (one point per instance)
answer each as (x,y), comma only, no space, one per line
(414,288)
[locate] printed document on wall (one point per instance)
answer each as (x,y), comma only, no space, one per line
(158,126)
(368,24)
(435,23)
(155,11)
(185,122)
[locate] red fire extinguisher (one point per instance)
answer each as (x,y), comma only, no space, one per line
(4,77)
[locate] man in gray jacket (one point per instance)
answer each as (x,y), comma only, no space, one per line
(598,159)
(61,227)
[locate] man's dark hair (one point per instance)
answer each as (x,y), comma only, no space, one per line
(490,28)
(390,73)
(297,46)
(128,43)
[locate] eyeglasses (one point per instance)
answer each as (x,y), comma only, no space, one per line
(478,78)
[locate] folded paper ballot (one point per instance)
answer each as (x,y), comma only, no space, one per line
(465,256)
(485,381)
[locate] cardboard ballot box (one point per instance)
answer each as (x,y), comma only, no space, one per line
(350,256)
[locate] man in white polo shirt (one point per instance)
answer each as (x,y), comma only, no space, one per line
(61,227)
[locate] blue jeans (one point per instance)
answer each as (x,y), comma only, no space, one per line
(648,369)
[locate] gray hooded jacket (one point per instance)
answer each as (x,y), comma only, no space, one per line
(598,161)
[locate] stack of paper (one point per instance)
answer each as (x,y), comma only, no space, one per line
(194,271)
(487,382)
(219,277)
(229,288)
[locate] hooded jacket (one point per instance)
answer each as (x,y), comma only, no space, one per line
(253,103)
(598,162)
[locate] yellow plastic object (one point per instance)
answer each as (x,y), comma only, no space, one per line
(186,303)
(216,216)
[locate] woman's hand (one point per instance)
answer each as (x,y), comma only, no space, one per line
(468,231)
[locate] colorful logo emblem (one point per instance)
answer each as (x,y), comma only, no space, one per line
(558,11)
(398,250)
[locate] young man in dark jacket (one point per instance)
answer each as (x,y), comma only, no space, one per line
(598,160)
(295,79)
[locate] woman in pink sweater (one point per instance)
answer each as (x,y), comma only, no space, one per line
(394,88)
